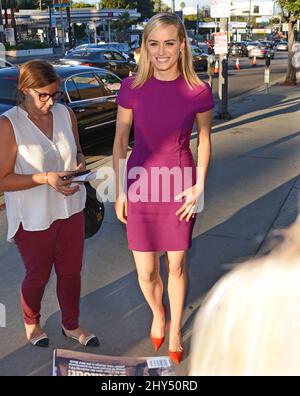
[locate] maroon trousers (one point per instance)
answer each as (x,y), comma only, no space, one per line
(60,245)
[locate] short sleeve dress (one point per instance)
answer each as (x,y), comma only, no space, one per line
(161,164)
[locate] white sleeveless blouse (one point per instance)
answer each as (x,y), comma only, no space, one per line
(38,207)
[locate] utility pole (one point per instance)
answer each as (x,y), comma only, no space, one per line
(1,24)
(173,6)
(13,20)
(5,13)
(197,26)
(249,21)
(223,77)
(62,28)
(69,28)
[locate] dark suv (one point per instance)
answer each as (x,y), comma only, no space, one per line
(238,49)
(113,61)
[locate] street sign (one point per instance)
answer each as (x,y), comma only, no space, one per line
(220,8)
(10,36)
(221,43)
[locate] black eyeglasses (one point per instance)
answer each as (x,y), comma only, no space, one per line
(44,97)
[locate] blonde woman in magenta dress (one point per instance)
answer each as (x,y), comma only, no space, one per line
(163,99)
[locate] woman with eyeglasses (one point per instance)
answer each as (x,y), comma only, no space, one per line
(39,145)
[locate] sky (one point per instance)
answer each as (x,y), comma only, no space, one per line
(191,5)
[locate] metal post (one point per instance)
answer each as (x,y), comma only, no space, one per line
(5,12)
(50,24)
(197,26)
(223,78)
(62,28)
(95,32)
(109,31)
(13,20)
(69,27)
(1,24)
(173,5)
(249,20)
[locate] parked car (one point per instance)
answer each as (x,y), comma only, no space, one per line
(199,58)
(5,63)
(282,46)
(203,47)
(96,57)
(211,46)
(89,92)
(251,44)
(238,49)
(123,48)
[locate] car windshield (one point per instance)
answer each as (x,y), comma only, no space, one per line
(83,54)
(203,48)
(9,89)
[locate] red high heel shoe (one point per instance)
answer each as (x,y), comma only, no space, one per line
(157,342)
(176,356)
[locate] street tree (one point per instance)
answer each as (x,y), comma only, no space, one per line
(81,4)
(145,7)
(121,26)
(160,6)
(118,4)
(182,6)
(290,10)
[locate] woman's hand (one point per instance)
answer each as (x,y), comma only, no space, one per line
(81,166)
(121,209)
(190,206)
(62,186)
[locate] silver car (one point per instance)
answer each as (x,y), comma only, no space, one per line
(261,52)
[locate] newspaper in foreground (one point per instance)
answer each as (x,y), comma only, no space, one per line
(71,363)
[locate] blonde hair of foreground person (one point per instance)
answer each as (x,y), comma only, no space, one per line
(249,323)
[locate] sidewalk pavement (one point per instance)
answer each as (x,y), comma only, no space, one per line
(252,188)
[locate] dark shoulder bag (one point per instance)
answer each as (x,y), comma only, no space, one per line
(93,211)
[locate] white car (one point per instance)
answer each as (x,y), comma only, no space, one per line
(282,46)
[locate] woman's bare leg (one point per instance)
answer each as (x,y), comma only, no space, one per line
(177,283)
(147,264)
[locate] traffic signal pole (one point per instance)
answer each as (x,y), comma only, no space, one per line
(223,78)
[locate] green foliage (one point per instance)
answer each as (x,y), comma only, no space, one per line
(26,4)
(121,26)
(81,5)
(291,6)
(118,4)
(27,44)
(160,6)
(145,7)
(79,31)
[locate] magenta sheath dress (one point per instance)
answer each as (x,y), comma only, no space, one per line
(164,113)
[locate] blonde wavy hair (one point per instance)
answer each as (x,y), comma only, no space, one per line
(185,61)
(249,323)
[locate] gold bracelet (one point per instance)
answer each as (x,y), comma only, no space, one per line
(46,178)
